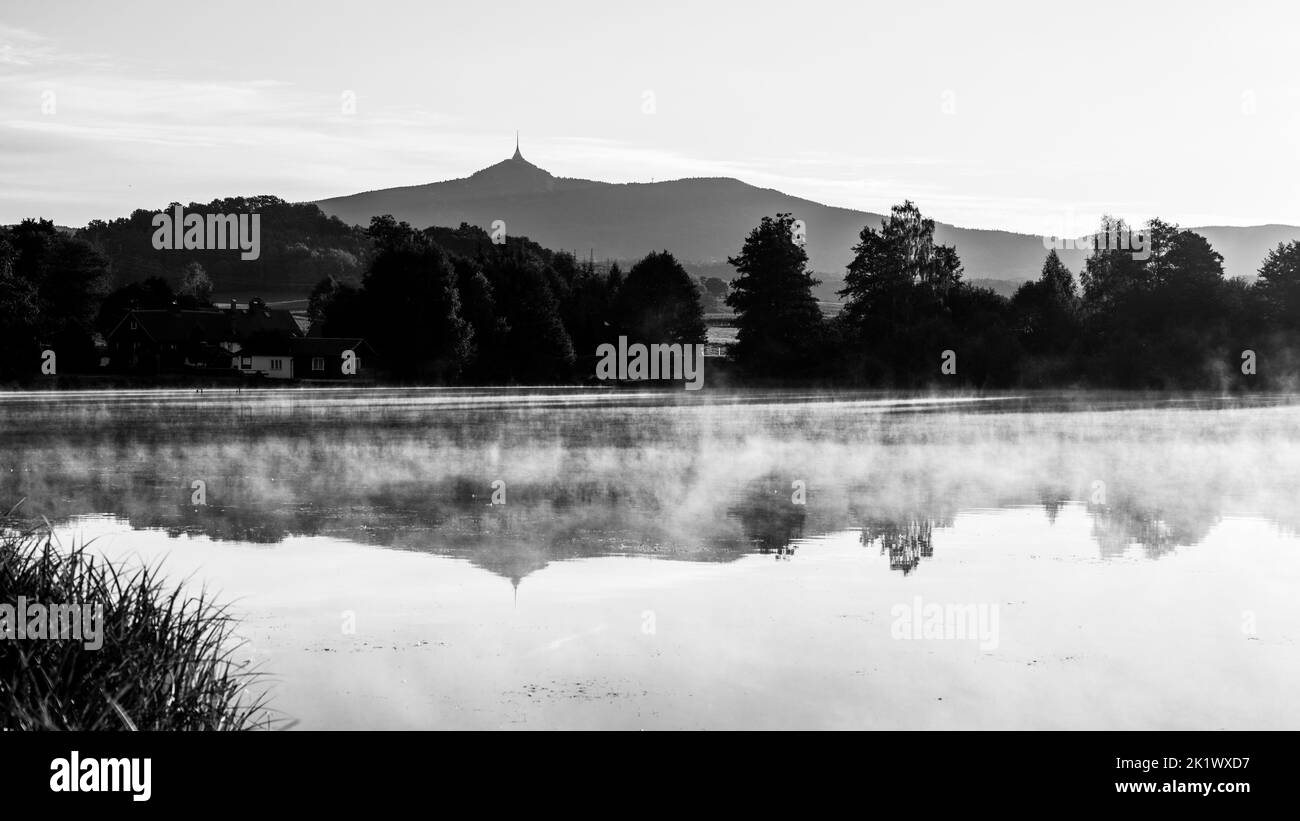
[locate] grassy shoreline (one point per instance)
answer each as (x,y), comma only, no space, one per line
(164,659)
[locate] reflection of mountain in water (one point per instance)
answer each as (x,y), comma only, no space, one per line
(550,522)
(540,523)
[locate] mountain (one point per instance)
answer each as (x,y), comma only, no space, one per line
(705,220)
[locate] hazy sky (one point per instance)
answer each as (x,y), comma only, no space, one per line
(998,115)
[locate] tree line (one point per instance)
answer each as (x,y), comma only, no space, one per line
(1164,319)
(450,305)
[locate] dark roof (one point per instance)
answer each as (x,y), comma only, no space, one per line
(167,325)
(327,346)
(180,326)
(256,321)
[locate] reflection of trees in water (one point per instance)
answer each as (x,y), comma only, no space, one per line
(1053,499)
(638,481)
(1117,527)
(906,541)
(768,517)
(901,525)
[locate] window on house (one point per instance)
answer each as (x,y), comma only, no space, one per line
(276,363)
(318,363)
(246,362)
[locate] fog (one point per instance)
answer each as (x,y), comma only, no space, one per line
(664,474)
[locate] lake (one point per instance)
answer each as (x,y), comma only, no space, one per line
(573,558)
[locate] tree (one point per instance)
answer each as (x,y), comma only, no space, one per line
(887,264)
(659,303)
(978,327)
(1279,282)
(411,305)
(478,307)
(1047,310)
(68,279)
(589,314)
(19,316)
(195,285)
(345,314)
(318,303)
(150,294)
(1160,319)
(537,347)
(1112,273)
(779,325)
(897,317)
(712,291)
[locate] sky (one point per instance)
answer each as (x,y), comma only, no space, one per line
(989,115)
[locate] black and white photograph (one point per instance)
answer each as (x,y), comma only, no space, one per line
(602,366)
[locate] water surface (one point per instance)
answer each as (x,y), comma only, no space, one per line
(717,560)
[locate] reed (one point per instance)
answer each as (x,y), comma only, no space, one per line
(166,661)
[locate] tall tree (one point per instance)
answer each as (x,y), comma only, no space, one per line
(1047,310)
(888,263)
(779,325)
(897,318)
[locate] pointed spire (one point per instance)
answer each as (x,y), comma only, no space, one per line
(517,155)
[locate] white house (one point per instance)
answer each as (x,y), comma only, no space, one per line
(272,366)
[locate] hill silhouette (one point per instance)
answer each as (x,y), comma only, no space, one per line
(299,246)
(704,220)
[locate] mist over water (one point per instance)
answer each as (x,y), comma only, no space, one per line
(673,559)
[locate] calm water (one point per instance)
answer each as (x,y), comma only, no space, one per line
(678,560)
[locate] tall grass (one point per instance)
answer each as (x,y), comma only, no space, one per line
(166,662)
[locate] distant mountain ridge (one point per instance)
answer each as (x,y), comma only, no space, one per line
(704,220)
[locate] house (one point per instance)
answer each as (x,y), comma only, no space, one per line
(265,363)
(209,340)
(316,357)
(253,341)
(169,340)
(303,358)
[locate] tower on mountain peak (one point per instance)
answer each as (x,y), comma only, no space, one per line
(517,155)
